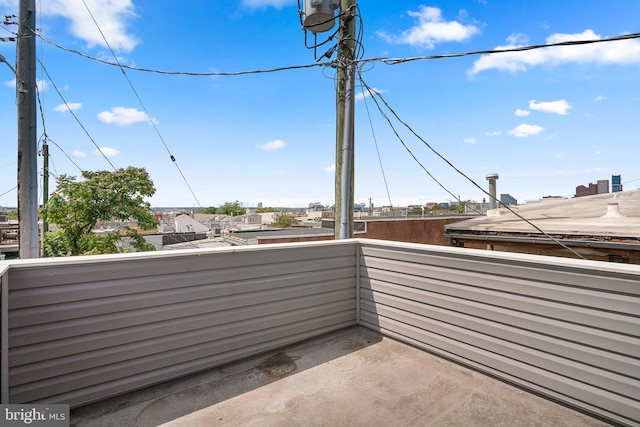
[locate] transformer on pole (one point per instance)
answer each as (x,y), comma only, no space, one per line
(319,15)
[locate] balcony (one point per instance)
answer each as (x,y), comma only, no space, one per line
(81,330)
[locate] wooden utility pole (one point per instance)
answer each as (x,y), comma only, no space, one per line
(27,138)
(45,188)
(345,100)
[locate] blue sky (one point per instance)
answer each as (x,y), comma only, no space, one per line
(544,120)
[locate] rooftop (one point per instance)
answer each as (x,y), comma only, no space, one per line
(588,215)
(350,377)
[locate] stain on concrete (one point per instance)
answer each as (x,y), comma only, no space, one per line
(277,366)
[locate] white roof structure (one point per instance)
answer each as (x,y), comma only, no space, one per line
(186,224)
(615,215)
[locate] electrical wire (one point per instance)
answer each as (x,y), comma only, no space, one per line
(8,191)
(390,61)
(65,153)
(395,61)
(171,156)
(386,60)
(187,73)
(74,114)
(377,94)
(8,164)
(55,170)
(395,131)
(173,159)
(375,140)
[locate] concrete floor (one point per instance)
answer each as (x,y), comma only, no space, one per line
(350,378)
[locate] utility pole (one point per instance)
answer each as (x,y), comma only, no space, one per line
(345,100)
(27,138)
(45,187)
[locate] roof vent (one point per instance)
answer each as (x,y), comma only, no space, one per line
(613,211)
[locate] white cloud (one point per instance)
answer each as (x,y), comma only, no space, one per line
(522,113)
(73,106)
(525,130)
(470,140)
(494,133)
(431,29)
(623,52)
(113,17)
(330,169)
(79,154)
(266,3)
(365,93)
(555,107)
(123,116)
(273,145)
(600,98)
(106,151)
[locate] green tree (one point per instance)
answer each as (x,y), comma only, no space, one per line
(12,214)
(231,208)
(284,221)
(265,210)
(435,208)
(77,206)
(416,210)
(209,210)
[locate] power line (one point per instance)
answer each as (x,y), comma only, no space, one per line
(135,92)
(8,191)
(377,94)
(375,140)
(333,64)
(188,73)
(65,153)
(145,110)
(74,114)
(395,131)
(394,61)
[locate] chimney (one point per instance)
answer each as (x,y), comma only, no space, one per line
(493,201)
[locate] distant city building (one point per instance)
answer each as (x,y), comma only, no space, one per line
(616,184)
(603,186)
(582,190)
(317,206)
(476,208)
(508,199)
